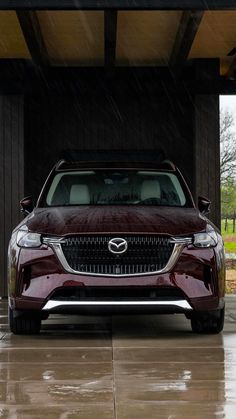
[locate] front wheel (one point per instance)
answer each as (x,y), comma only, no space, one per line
(208,322)
(24,324)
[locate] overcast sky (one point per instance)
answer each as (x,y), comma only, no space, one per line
(229,102)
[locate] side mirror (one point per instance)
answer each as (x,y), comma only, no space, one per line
(204,205)
(27,205)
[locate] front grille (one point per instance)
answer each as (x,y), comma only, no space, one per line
(90,254)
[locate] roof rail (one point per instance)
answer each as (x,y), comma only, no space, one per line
(59,163)
(169,164)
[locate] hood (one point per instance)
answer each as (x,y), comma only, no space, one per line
(61,221)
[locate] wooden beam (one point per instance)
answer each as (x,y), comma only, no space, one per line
(33,37)
(110,29)
(231,73)
(117,4)
(19,76)
(188,28)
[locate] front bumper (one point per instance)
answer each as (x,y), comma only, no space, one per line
(197,274)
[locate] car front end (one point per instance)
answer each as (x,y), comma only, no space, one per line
(117,258)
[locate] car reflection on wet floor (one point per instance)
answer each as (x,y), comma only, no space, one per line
(118,367)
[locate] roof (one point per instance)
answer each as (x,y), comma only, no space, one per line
(72,166)
(118,4)
(121,37)
(109,156)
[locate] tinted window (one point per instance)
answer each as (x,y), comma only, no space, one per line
(118,187)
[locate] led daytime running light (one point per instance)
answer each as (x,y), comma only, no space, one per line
(26,239)
(205,239)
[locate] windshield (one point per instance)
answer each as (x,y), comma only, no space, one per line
(115,187)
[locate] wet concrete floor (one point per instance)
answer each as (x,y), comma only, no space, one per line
(133,367)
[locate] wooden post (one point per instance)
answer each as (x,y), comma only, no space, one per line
(207,141)
(11,174)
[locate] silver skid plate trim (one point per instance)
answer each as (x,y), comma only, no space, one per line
(51,304)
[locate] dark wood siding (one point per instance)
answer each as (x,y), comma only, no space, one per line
(11,174)
(100,119)
(207,152)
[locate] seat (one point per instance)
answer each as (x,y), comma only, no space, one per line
(79,195)
(150,189)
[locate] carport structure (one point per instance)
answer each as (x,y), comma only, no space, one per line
(114,75)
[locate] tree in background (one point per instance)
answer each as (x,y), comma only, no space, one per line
(228,198)
(227,146)
(228,167)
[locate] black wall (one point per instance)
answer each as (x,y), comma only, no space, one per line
(133,112)
(11,173)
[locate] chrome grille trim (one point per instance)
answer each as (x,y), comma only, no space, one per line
(186,240)
(55,244)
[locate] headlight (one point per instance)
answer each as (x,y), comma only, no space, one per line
(25,239)
(205,239)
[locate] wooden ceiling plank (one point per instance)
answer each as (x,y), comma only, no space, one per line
(33,37)
(188,27)
(110,35)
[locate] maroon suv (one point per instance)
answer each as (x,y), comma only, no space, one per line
(116,238)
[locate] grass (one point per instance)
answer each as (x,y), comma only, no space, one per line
(230,247)
(229,236)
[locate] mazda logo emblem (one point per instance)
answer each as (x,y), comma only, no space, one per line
(117,245)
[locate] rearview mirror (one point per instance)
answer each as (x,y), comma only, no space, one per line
(204,205)
(27,205)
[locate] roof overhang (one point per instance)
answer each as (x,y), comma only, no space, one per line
(111,34)
(117,4)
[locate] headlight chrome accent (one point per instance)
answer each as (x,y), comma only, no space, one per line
(53,240)
(181,240)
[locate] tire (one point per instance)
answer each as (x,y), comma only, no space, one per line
(211,322)
(24,324)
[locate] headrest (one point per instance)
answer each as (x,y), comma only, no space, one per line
(79,195)
(150,189)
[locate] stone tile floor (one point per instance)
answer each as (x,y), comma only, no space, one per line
(231,281)
(125,367)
